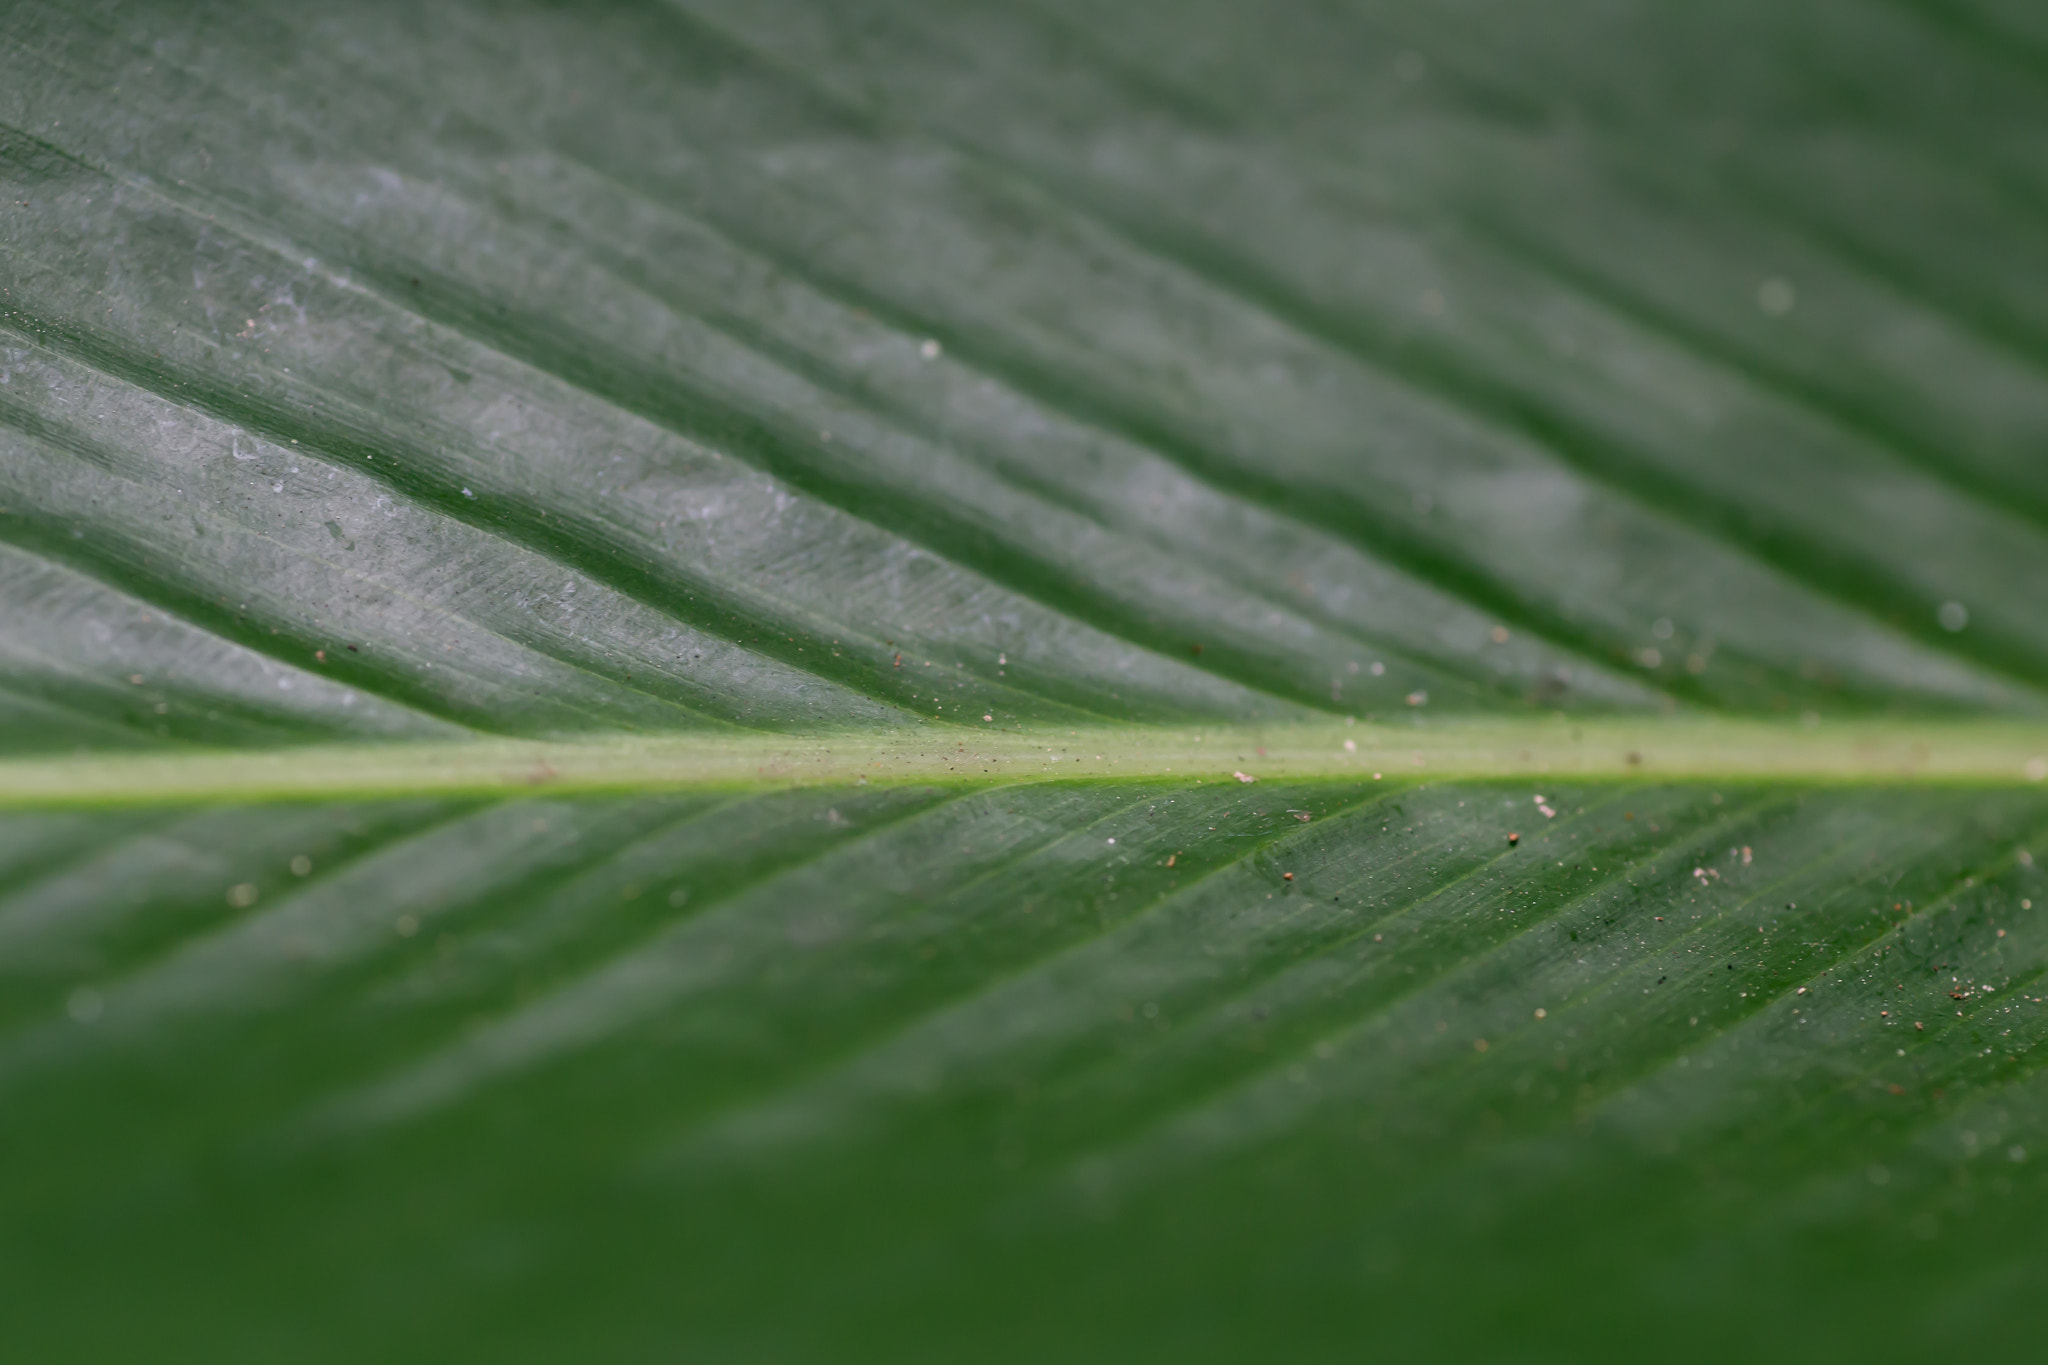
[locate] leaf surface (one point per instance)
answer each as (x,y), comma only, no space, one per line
(783,680)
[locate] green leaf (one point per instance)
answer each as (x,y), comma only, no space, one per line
(792,680)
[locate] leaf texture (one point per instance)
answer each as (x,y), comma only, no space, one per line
(550,556)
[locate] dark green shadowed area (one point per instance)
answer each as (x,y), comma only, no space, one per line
(781,681)
(893,1070)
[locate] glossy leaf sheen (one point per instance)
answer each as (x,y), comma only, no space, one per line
(660,490)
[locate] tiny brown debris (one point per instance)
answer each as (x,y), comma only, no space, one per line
(321,655)
(1286,876)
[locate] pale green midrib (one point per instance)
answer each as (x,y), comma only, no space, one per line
(1960,751)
